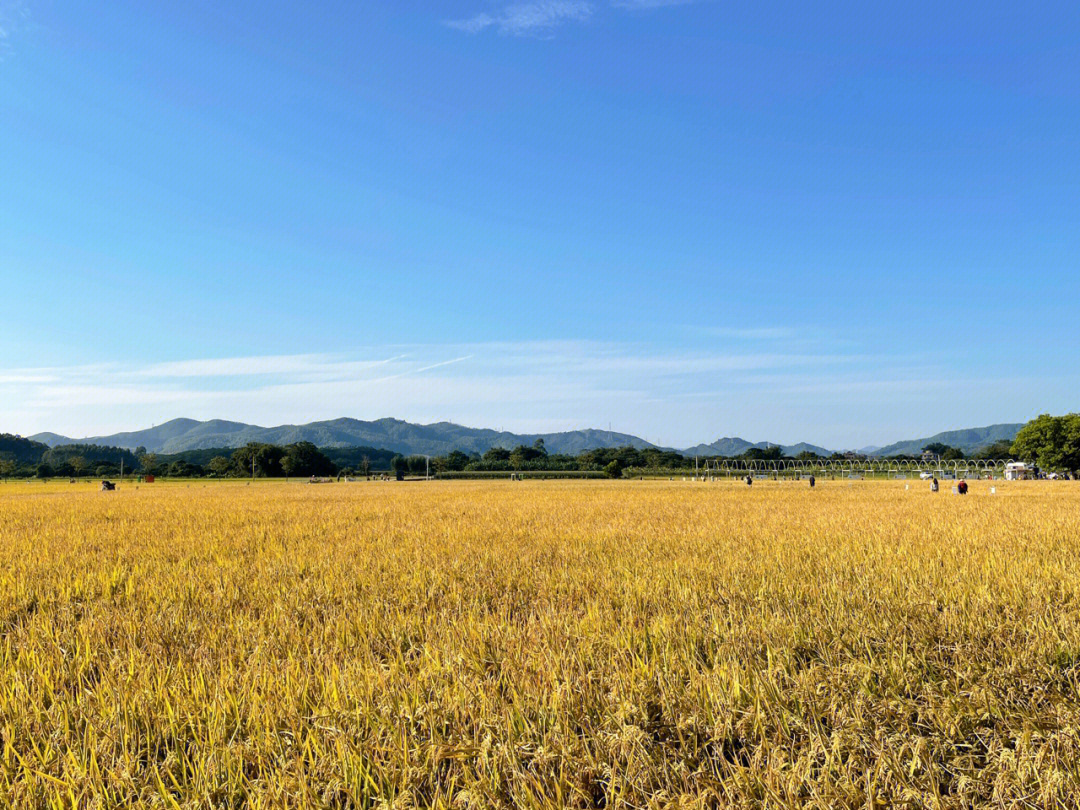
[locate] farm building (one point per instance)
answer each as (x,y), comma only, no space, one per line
(1018,471)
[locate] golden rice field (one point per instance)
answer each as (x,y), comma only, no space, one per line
(539,644)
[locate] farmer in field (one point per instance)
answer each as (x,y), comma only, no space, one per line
(812,482)
(749,480)
(962,487)
(934,484)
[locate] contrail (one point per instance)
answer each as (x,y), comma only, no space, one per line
(443,363)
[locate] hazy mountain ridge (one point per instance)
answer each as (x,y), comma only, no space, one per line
(734,446)
(440,438)
(50,439)
(403,437)
(968,439)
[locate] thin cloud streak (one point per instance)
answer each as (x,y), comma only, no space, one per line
(762,333)
(473,25)
(673,398)
(644,5)
(251,366)
(544,16)
(520,19)
(14,17)
(443,363)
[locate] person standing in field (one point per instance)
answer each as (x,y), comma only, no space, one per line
(812,482)
(934,484)
(962,487)
(749,480)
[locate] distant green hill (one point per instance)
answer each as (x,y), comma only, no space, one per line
(731,446)
(20,450)
(728,447)
(27,452)
(803,447)
(968,440)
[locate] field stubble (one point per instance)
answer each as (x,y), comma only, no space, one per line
(581,644)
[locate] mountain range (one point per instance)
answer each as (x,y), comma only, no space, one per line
(968,440)
(734,446)
(440,438)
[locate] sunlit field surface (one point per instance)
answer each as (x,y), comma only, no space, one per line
(578,644)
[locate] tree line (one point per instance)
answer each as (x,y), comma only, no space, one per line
(23,458)
(535,457)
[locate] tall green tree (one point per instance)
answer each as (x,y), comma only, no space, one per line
(496,454)
(456,460)
(266,459)
(773,452)
(997,450)
(1052,442)
(304,458)
(220,466)
(944,451)
(148,463)
(78,465)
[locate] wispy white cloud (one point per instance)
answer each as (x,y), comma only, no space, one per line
(307,365)
(751,332)
(648,4)
(443,363)
(472,25)
(523,18)
(14,16)
(26,377)
(543,16)
(526,18)
(677,398)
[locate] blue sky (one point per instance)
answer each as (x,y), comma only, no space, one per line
(843,224)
